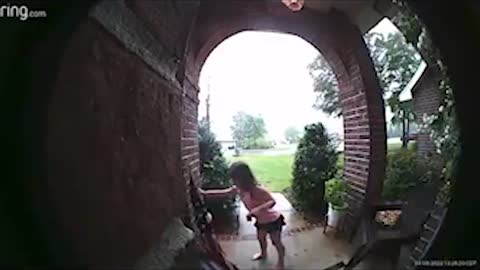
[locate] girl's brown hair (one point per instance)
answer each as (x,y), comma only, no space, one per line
(241,173)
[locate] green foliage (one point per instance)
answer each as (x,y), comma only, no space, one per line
(402,111)
(292,135)
(445,135)
(248,130)
(336,193)
(403,173)
(400,177)
(409,19)
(326,86)
(315,162)
(441,126)
(213,166)
(259,143)
(395,63)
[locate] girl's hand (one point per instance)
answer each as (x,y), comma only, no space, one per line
(208,217)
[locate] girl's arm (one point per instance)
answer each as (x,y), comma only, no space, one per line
(268,204)
(219,193)
(265,196)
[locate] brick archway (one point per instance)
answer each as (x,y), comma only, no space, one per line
(341,43)
(98,199)
(125,102)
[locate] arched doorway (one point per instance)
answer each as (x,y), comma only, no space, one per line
(442,26)
(120,89)
(125,100)
(340,41)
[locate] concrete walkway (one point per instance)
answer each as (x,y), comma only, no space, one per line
(307,247)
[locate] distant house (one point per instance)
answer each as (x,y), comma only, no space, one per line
(426,101)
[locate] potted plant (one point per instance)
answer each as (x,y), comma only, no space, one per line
(336,195)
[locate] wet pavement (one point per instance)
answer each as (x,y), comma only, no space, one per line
(238,228)
(307,250)
(307,247)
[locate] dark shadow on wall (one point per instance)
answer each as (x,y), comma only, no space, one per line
(30,54)
(455,31)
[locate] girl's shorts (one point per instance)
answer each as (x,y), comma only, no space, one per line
(272,226)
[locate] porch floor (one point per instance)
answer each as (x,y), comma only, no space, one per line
(307,247)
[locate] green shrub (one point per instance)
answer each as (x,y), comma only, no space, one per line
(403,173)
(260,143)
(315,162)
(336,193)
(400,174)
(213,167)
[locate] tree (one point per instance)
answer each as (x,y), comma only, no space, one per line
(248,130)
(395,63)
(404,115)
(213,166)
(292,135)
(315,162)
(326,87)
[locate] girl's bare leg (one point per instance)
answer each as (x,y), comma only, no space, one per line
(277,242)
(262,239)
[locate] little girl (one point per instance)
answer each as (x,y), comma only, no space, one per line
(259,203)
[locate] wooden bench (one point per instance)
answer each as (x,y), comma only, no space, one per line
(388,240)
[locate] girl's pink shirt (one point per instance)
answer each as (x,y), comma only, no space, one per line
(260,196)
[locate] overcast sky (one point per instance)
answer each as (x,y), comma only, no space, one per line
(264,73)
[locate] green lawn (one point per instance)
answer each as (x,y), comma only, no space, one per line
(392,147)
(275,172)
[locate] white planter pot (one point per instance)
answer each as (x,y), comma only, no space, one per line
(334,216)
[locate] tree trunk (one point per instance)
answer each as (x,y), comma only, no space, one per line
(404,136)
(408,132)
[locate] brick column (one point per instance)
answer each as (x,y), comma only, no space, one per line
(363,114)
(189,145)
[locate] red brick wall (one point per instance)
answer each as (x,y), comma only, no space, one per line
(426,99)
(190,154)
(122,124)
(114,140)
(363,116)
(160,17)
